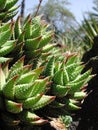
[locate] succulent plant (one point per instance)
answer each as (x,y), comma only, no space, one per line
(7,10)
(21,93)
(55,80)
(33,37)
(69,84)
(30,39)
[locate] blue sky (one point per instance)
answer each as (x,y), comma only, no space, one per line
(78,7)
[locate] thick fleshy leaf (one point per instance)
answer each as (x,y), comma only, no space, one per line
(9,16)
(76,86)
(13,107)
(23,91)
(9,43)
(36,31)
(17,29)
(4,36)
(38,71)
(56,104)
(79,95)
(10,3)
(28,116)
(3,59)
(46,39)
(39,86)
(29,102)
(71,60)
(77,72)
(32,44)
(28,28)
(72,106)
(65,77)
(58,77)
(70,68)
(39,122)
(17,65)
(45,100)
(60,90)
(83,76)
(49,69)
(6,50)
(48,47)
(14,8)
(5,27)
(9,88)
(26,78)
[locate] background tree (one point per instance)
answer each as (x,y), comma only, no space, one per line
(58,14)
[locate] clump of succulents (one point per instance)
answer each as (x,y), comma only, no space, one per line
(54,81)
(34,37)
(68,83)
(30,39)
(21,93)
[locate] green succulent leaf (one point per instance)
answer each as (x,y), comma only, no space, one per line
(49,69)
(29,102)
(58,77)
(26,78)
(83,76)
(9,16)
(65,77)
(3,59)
(75,86)
(13,107)
(6,50)
(5,27)
(39,122)
(39,86)
(32,44)
(10,4)
(45,100)
(72,106)
(5,36)
(79,95)
(28,116)
(60,90)
(17,29)
(21,89)
(28,28)
(45,39)
(9,88)
(17,65)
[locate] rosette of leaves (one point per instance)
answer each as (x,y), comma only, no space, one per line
(7,9)
(33,37)
(22,93)
(30,39)
(69,84)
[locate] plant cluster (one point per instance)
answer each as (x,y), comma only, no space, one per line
(34,77)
